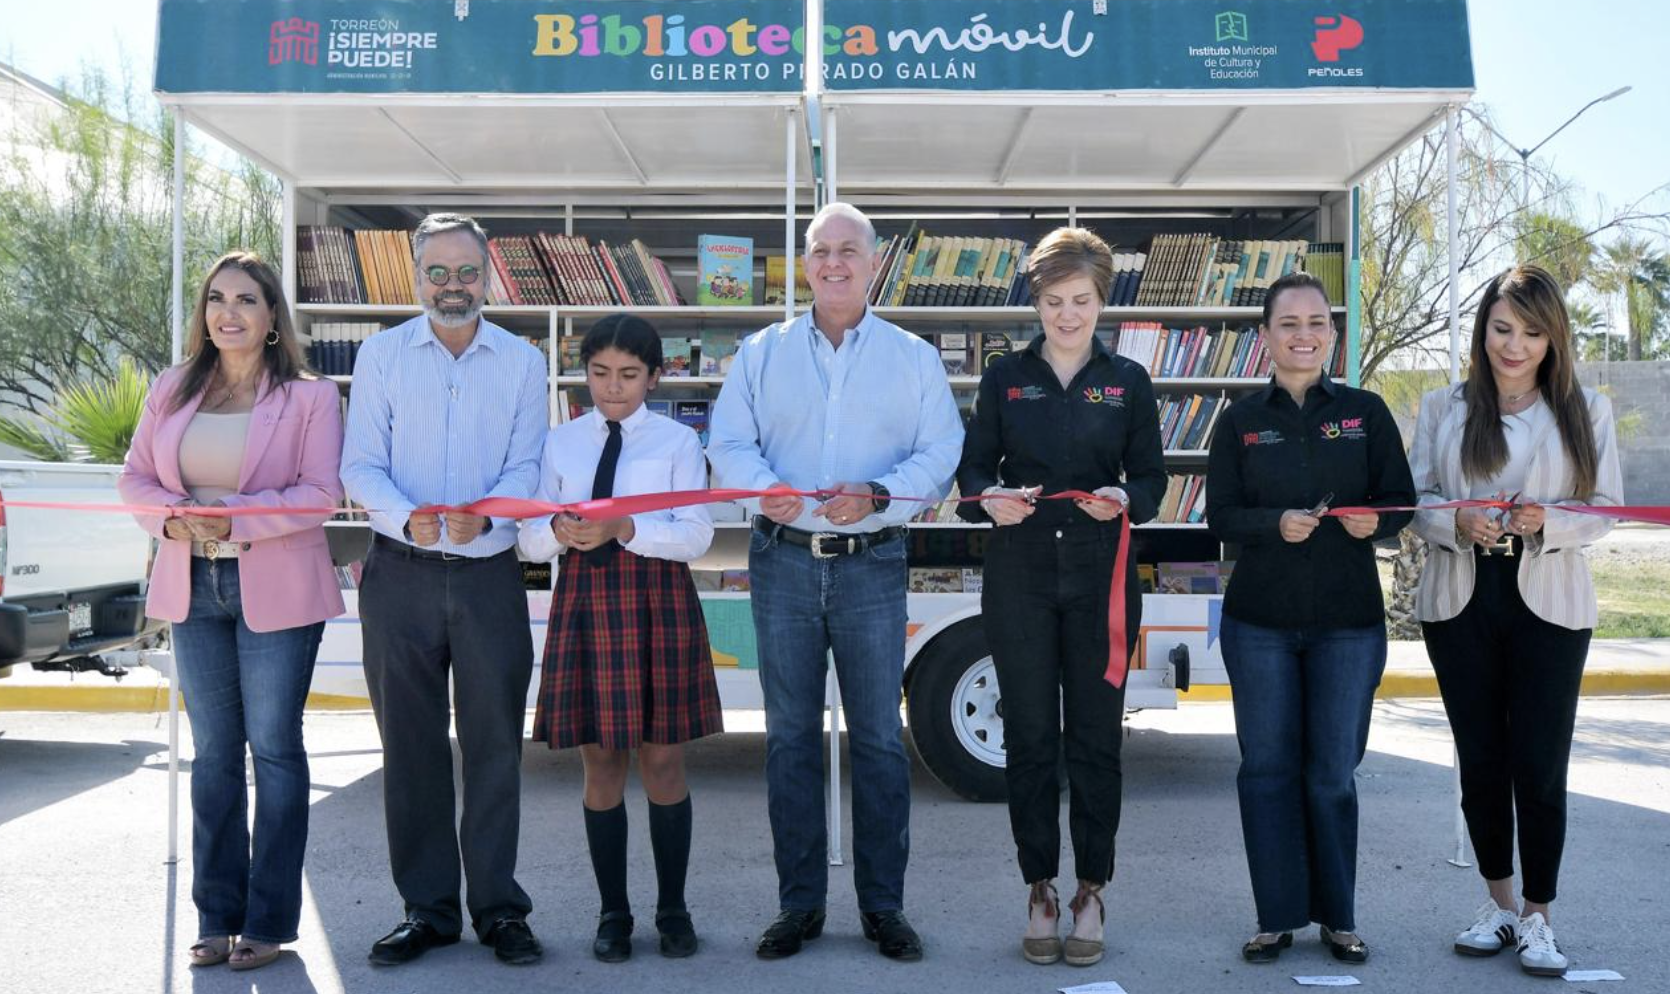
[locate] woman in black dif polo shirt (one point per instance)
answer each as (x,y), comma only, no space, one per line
(1065,414)
(1304,630)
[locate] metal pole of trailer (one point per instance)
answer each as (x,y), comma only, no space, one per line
(176,303)
(1451,154)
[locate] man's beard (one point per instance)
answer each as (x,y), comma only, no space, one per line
(453,317)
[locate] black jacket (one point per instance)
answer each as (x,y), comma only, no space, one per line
(1270,456)
(1102,431)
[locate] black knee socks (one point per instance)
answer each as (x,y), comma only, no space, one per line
(606,836)
(669,836)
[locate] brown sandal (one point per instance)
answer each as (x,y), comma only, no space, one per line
(1046,950)
(1084,952)
(260,954)
(210,950)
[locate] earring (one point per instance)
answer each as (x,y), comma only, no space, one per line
(272,337)
(208,337)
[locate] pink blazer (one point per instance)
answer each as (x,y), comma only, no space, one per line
(290,460)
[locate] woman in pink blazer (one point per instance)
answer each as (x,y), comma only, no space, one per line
(242,423)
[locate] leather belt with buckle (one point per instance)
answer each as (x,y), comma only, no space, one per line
(828,545)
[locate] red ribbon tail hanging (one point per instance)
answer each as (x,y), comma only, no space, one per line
(1118,658)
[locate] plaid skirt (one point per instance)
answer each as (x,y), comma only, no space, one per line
(627,658)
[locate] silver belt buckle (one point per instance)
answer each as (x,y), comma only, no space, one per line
(816,545)
(211,549)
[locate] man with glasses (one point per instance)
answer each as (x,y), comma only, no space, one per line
(446,409)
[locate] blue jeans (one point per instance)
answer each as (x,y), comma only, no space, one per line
(803,608)
(1303,698)
(244,687)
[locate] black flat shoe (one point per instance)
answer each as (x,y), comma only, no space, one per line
(1266,952)
(1354,951)
(678,934)
(614,937)
(409,940)
(892,935)
(513,942)
(784,936)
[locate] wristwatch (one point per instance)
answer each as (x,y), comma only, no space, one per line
(880,496)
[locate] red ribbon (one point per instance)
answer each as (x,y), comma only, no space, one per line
(1653,514)
(1118,664)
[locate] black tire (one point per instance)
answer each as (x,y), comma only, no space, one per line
(933,682)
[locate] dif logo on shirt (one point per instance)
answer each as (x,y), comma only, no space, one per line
(1111,396)
(1347,428)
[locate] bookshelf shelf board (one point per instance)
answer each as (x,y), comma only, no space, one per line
(490,311)
(904,315)
(758,315)
(577,380)
(1186,453)
(340,380)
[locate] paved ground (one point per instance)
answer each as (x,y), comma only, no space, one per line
(90,907)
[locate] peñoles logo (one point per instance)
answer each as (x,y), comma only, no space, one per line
(294,40)
(1261,438)
(1335,35)
(1024,393)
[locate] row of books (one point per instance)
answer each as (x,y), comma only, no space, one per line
(1185,499)
(944,580)
(552,269)
(1186,421)
(339,266)
(1204,352)
(1201,270)
(335,345)
(922,270)
(709,355)
(1185,578)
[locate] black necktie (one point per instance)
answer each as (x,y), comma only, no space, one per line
(603,485)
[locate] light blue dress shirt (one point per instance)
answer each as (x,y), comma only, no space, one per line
(427,428)
(797,409)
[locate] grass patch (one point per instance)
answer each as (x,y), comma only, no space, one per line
(1634,597)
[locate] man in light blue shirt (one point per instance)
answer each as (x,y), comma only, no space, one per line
(837,399)
(447,408)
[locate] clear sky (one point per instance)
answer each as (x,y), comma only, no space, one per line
(1535,61)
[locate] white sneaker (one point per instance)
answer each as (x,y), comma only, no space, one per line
(1495,929)
(1538,952)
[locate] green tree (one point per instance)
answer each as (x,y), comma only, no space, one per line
(1635,269)
(86,234)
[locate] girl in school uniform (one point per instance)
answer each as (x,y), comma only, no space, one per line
(627,661)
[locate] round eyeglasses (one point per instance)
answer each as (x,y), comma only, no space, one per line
(441,275)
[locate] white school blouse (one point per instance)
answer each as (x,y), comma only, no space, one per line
(657,455)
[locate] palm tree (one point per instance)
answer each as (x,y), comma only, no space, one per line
(1633,267)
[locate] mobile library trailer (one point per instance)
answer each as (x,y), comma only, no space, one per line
(1215,144)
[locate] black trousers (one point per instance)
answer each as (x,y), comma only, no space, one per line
(1510,682)
(1045,605)
(423,619)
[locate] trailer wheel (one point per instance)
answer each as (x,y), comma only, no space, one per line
(956,713)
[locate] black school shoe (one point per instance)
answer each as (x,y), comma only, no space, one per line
(409,940)
(678,933)
(892,934)
(513,942)
(614,937)
(1266,952)
(787,932)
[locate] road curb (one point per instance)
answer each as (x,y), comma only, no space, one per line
(154,699)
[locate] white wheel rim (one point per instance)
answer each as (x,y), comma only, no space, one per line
(974,714)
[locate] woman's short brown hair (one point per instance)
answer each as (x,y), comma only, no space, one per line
(1066,253)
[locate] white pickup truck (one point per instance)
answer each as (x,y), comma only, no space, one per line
(72,583)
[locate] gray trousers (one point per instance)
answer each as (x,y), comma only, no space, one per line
(421,618)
